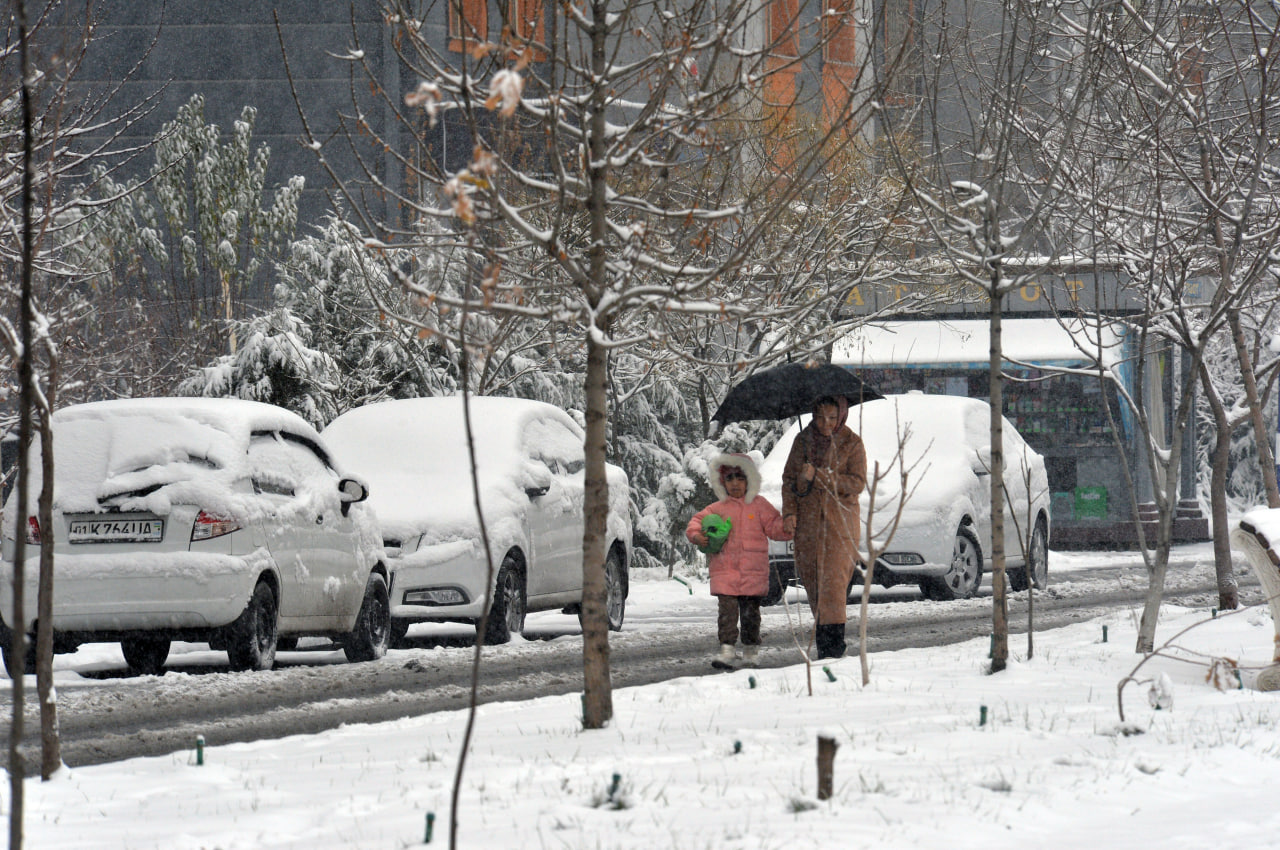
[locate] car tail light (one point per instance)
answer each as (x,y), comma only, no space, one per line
(209,526)
(33,531)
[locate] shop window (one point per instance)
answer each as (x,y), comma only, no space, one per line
(1062,412)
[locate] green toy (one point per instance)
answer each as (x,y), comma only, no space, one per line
(716,528)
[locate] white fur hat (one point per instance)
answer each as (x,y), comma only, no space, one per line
(737,461)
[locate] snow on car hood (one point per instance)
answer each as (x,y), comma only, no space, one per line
(442,506)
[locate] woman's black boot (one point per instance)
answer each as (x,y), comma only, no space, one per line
(830,640)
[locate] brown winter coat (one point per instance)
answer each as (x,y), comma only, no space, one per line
(827,523)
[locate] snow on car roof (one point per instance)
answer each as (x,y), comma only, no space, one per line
(414,454)
(179,448)
(934,425)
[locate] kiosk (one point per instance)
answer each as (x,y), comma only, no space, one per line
(1053,394)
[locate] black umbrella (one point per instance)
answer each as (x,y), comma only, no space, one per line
(789,390)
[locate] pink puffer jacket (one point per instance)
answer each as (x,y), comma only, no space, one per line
(741,568)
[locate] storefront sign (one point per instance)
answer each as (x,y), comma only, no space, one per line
(1089,292)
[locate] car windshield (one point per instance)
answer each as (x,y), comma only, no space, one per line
(102,459)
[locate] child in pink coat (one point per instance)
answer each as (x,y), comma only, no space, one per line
(740,570)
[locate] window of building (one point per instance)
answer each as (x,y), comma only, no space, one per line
(468,24)
(839,30)
(526,21)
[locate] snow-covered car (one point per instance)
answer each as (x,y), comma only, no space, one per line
(529,468)
(945,527)
(207,520)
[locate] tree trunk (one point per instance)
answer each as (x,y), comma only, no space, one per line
(1265,457)
(26,401)
(1160,565)
(597,696)
(50,745)
(1228,591)
(597,693)
(999,596)
(1155,592)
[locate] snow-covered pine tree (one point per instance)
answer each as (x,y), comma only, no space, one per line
(192,244)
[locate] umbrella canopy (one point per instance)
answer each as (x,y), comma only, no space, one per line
(789,390)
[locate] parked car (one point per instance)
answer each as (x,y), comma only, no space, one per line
(195,519)
(529,472)
(944,533)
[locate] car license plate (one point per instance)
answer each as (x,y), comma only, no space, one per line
(116,531)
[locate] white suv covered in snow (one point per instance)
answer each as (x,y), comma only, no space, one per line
(215,520)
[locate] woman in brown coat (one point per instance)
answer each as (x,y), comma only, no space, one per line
(825,474)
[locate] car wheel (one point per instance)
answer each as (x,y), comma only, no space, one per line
(776,588)
(1040,556)
(1038,562)
(615,591)
(853,593)
(145,654)
(29,659)
(965,576)
(368,640)
(251,639)
(399,628)
(506,614)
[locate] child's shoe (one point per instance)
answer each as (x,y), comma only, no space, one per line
(750,655)
(726,658)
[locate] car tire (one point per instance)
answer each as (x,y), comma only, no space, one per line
(251,639)
(29,657)
(145,654)
(853,593)
(964,577)
(1038,566)
(506,614)
(615,591)
(399,628)
(368,641)
(776,588)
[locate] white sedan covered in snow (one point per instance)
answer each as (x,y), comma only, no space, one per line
(529,468)
(944,535)
(195,519)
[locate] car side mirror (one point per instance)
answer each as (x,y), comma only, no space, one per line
(351,491)
(537,479)
(982,461)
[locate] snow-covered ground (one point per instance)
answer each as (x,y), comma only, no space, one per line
(729,761)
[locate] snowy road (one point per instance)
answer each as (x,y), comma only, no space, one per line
(106,715)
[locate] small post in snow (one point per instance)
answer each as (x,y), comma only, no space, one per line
(826,765)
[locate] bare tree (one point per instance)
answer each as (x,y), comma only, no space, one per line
(981,202)
(47,136)
(1175,165)
(624,165)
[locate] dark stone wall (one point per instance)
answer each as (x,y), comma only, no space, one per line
(230,51)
